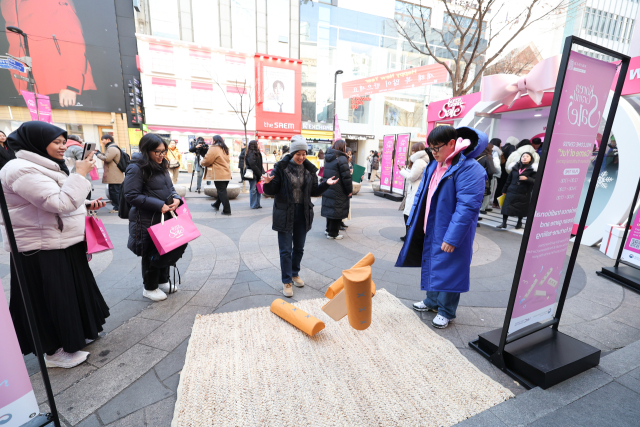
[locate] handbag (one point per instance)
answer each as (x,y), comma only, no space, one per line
(96,236)
(321,173)
(94,174)
(175,232)
(248,174)
(174,164)
(259,187)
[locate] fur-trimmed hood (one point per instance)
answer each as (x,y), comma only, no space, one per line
(516,155)
(514,164)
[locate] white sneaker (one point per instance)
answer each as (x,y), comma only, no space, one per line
(338,237)
(420,306)
(440,322)
(167,288)
(154,295)
(62,359)
(287,290)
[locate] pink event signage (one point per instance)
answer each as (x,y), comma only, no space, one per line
(336,131)
(400,160)
(40,110)
(584,95)
(17,400)
(631,250)
(386,162)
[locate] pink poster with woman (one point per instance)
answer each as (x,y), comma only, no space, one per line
(584,95)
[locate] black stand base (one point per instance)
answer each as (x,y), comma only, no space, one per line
(543,359)
(390,196)
(39,421)
(623,275)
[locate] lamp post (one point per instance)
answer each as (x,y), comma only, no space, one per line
(28,57)
(335,85)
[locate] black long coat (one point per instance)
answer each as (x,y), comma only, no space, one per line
(335,201)
(518,198)
(6,154)
(280,187)
(146,199)
(254,162)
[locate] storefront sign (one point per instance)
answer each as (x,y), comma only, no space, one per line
(413,77)
(357,101)
(631,251)
(399,162)
(278,88)
(358,137)
(453,108)
(317,126)
(450,109)
(17,401)
(386,162)
(584,95)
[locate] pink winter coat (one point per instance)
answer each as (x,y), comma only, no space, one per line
(38,193)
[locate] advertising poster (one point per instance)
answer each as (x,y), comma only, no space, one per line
(584,95)
(75,52)
(400,161)
(39,106)
(386,162)
(277,96)
(337,134)
(631,250)
(398,80)
(17,400)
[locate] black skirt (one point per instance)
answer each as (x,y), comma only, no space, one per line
(67,303)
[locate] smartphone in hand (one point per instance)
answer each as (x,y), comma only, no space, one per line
(88,148)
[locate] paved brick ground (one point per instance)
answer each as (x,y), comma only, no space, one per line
(132,375)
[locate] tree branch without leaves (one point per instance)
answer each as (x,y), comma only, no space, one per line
(244,106)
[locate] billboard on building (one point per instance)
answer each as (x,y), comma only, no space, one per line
(74,50)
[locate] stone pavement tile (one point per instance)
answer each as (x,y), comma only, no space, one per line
(133,420)
(631,298)
(163,310)
(609,332)
(172,382)
(585,309)
(143,392)
(483,419)
(91,421)
(485,299)
(226,269)
(490,316)
(202,263)
(123,311)
(494,373)
(173,363)
(536,403)
(314,279)
(256,261)
(316,265)
(236,291)
(243,267)
(401,279)
(107,382)
(612,405)
(261,288)
(621,361)
(113,296)
(306,292)
(392,288)
(580,335)
(335,273)
(245,276)
(631,380)
(213,291)
(175,330)
(411,292)
(271,276)
(468,333)
(60,379)
(160,414)
(120,340)
(602,291)
(626,313)
(249,302)
(194,280)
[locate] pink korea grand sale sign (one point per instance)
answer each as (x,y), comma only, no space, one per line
(584,95)
(399,162)
(631,250)
(386,163)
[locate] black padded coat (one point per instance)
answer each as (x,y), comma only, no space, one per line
(254,162)
(518,198)
(335,201)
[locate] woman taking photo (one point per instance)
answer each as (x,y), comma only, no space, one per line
(293,183)
(46,205)
(413,175)
(335,201)
(149,190)
(174,157)
(519,187)
(219,171)
(253,160)
(6,153)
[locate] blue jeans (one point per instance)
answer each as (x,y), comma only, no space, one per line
(445,302)
(254,196)
(291,246)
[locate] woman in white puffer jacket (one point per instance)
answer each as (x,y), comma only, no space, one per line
(47,209)
(413,175)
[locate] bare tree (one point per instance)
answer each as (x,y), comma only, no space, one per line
(244,105)
(470,27)
(519,61)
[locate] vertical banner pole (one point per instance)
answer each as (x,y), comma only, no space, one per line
(628,227)
(592,188)
(26,299)
(393,162)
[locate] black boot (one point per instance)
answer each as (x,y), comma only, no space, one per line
(519,224)
(402,238)
(503,225)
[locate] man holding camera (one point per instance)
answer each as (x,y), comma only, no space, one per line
(199,147)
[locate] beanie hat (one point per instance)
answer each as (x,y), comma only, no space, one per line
(298,142)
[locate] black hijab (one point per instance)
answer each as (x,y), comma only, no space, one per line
(35,136)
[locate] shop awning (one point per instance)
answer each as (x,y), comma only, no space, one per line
(317,134)
(276,135)
(201,131)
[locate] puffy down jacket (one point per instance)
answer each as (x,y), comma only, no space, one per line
(335,201)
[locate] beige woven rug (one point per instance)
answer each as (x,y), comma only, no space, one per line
(251,368)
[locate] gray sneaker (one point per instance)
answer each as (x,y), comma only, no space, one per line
(287,290)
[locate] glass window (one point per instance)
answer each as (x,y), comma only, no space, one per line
(402,112)
(161,58)
(359,109)
(200,64)
(165,19)
(165,91)
(243,28)
(202,94)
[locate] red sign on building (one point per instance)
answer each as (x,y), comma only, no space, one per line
(278,92)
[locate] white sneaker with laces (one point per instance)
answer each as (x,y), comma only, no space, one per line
(421,306)
(440,322)
(154,295)
(167,288)
(62,359)
(338,237)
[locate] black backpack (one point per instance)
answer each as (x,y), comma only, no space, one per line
(125,207)
(124,160)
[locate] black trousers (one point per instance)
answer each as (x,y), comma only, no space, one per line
(223,197)
(333,226)
(114,195)
(406,218)
(153,276)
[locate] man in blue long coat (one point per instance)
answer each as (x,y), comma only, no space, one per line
(443,219)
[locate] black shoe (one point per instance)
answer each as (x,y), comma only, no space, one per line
(403,237)
(483,212)
(226,213)
(502,226)
(489,209)
(342,228)
(480,218)
(213,205)
(518,225)
(342,224)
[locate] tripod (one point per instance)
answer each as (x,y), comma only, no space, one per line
(197,163)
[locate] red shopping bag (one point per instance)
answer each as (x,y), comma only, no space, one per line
(168,235)
(94,174)
(183,209)
(96,236)
(259,187)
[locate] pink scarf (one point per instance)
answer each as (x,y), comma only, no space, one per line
(461,144)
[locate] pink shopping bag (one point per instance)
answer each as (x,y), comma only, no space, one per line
(259,187)
(183,209)
(173,233)
(96,235)
(94,174)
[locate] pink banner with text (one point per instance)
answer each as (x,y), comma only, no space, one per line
(402,145)
(631,251)
(584,95)
(39,106)
(386,163)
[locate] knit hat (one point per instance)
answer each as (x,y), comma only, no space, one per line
(298,143)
